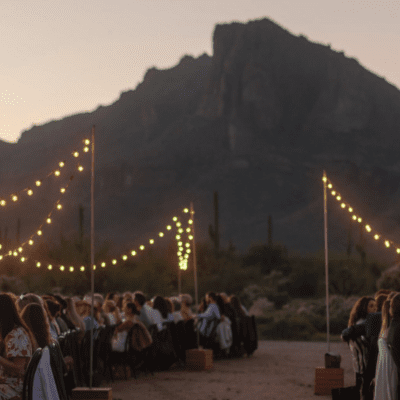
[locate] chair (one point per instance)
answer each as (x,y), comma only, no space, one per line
(44,376)
(248,334)
(208,341)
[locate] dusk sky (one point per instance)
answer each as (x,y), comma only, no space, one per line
(62,58)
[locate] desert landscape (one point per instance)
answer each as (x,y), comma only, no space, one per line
(278,370)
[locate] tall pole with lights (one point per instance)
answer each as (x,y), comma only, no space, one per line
(324,179)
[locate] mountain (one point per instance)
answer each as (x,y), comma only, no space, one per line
(258,121)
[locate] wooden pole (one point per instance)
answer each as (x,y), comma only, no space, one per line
(326,258)
(179,278)
(196,292)
(92,261)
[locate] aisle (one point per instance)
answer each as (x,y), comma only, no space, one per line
(277,371)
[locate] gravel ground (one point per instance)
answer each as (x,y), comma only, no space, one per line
(278,370)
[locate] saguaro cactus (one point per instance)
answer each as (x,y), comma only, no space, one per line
(214,230)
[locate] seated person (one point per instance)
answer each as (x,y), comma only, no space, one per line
(212,313)
(121,331)
(16,349)
(160,304)
(148,315)
(112,312)
(186,302)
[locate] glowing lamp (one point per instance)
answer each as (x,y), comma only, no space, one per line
(10,253)
(76,154)
(333,193)
(343,205)
(350,209)
(178,224)
(62,268)
(359,220)
(57,172)
(376,237)
(190,237)
(38,264)
(39,232)
(324,178)
(175,219)
(161,234)
(82,268)
(23,259)
(50,266)
(86,149)
(48,220)
(180,230)
(338,198)
(185,210)
(354,217)
(177,237)
(180,248)
(30,192)
(30,242)
(330,185)
(398,251)
(151,241)
(80,168)
(62,190)
(387,243)
(368,228)
(15,253)
(87,141)
(169,227)
(188,251)
(180,244)
(20,249)
(103,264)
(71,269)
(141,247)
(187,244)
(59,206)
(133,252)
(14,197)
(61,164)
(188,230)
(114,261)
(94,267)
(186,256)
(124,257)
(38,183)
(179,253)
(190,221)
(1,257)
(3,203)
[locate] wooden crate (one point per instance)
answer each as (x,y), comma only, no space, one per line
(82,393)
(199,359)
(327,379)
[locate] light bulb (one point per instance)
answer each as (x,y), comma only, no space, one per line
(343,205)
(151,241)
(187,244)
(350,209)
(62,268)
(14,197)
(338,198)
(324,178)
(161,234)
(179,253)
(82,268)
(1,257)
(178,224)
(76,154)
(188,251)
(180,244)
(190,237)
(359,219)
(50,266)
(169,227)
(59,206)
(3,203)
(387,243)
(48,220)
(177,237)
(141,247)
(190,221)
(30,192)
(185,210)
(376,237)
(180,248)
(175,219)
(87,141)
(124,257)
(20,249)
(188,230)
(15,253)
(30,242)
(354,217)
(398,251)
(62,190)
(368,228)
(86,149)
(71,269)
(61,164)
(333,193)
(180,230)
(133,252)
(114,261)
(330,185)
(38,183)
(103,264)
(39,232)
(38,264)
(80,168)
(57,172)
(22,259)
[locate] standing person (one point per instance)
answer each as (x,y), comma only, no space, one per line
(386,370)
(359,346)
(16,349)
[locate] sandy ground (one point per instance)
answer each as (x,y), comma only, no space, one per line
(277,371)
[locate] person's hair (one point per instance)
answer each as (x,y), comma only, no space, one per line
(161,305)
(54,307)
(395,306)
(360,309)
(109,306)
(176,304)
(26,299)
(237,306)
(186,299)
(382,291)
(111,295)
(170,305)
(220,304)
(212,295)
(385,317)
(9,317)
(34,316)
(72,314)
(61,301)
(379,301)
(140,298)
(133,308)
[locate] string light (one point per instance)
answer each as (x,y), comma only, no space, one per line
(343,205)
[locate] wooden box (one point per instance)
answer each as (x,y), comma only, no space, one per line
(327,379)
(83,393)
(199,359)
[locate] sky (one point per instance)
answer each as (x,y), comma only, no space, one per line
(63,58)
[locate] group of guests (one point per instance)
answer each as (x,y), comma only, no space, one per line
(373,335)
(30,321)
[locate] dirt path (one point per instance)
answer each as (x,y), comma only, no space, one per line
(277,371)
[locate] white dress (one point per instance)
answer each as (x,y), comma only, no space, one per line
(386,374)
